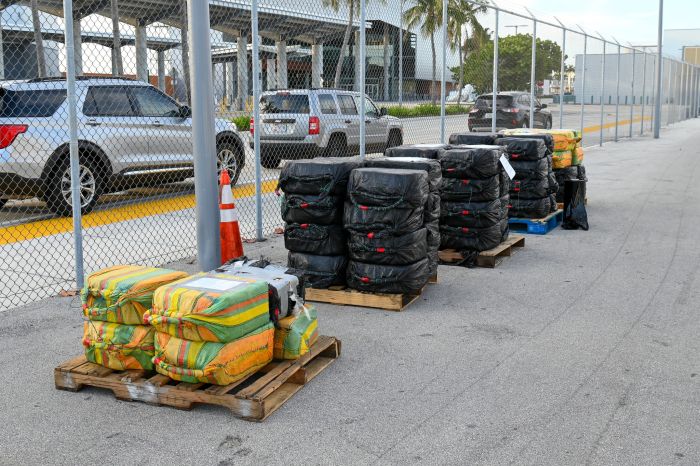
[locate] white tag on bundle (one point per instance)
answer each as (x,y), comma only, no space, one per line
(507,166)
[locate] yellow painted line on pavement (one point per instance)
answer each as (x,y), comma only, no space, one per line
(597,128)
(55,226)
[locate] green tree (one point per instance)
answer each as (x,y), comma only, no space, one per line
(514,63)
(427,14)
(462,13)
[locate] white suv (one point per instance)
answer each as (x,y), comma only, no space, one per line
(130,135)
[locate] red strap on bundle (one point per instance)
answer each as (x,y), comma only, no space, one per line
(364,279)
(363,207)
(304,205)
(465,212)
(465,230)
(515,156)
(304,226)
(465,181)
(382,250)
(450,169)
(370,235)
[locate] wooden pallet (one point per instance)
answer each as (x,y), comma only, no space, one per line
(490,258)
(348,297)
(253,398)
(434,279)
(537,226)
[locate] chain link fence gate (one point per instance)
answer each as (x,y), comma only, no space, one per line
(324,77)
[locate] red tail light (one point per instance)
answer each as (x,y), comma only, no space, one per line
(314,125)
(510,110)
(8,133)
(252,125)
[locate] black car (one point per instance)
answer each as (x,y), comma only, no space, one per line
(513,111)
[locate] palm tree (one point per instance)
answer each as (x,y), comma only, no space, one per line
(427,13)
(462,13)
(38,40)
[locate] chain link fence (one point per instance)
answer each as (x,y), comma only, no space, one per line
(286,81)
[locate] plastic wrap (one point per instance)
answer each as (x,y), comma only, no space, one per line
(388,249)
(471,214)
(548,139)
(473,138)
(431,167)
(388,188)
(432,208)
(470,162)
(530,208)
(553,184)
(295,335)
(388,278)
(569,173)
(526,169)
(322,240)
(504,183)
(323,175)
(395,221)
(318,271)
(530,188)
(505,229)
(523,148)
(433,235)
(118,346)
(476,190)
(311,208)
(575,215)
(582,173)
(424,151)
(475,239)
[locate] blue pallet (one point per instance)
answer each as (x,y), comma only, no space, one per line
(537,226)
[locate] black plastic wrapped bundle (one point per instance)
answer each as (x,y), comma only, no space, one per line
(432,208)
(530,208)
(424,151)
(474,239)
(473,138)
(523,148)
(387,249)
(433,235)
(326,175)
(552,203)
(525,169)
(505,229)
(470,190)
(322,240)
(395,221)
(504,183)
(548,139)
(582,173)
(563,175)
(575,215)
(431,167)
(319,271)
(532,188)
(470,162)
(311,208)
(388,188)
(388,278)
(471,214)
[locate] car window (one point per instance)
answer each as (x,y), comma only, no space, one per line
(501,101)
(327,104)
(370,108)
(347,105)
(34,103)
(151,103)
(283,102)
(108,101)
(525,99)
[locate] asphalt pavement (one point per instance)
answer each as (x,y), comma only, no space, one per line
(580,349)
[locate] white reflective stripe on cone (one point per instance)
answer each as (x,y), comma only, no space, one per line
(229,215)
(226,195)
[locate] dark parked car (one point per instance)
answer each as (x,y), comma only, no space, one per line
(512,111)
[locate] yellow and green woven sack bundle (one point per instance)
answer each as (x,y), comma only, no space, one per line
(215,363)
(123,293)
(577,158)
(562,159)
(295,335)
(119,346)
(211,307)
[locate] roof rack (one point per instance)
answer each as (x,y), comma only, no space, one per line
(80,78)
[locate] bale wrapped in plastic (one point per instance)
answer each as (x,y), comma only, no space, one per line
(530,188)
(378,278)
(582,173)
(215,363)
(562,175)
(319,271)
(395,221)
(473,138)
(470,162)
(577,155)
(470,190)
(523,148)
(553,203)
(530,208)
(432,208)
(431,167)
(388,188)
(528,169)
(505,230)
(504,182)
(121,294)
(575,215)
(118,346)
(474,239)
(553,184)
(319,176)
(218,307)
(382,248)
(433,262)
(562,159)
(424,151)
(322,240)
(311,208)
(471,214)
(295,335)
(548,139)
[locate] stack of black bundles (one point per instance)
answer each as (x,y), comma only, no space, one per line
(314,193)
(388,242)
(431,214)
(572,173)
(473,138)
(533,188)
(423,151)
(472,216)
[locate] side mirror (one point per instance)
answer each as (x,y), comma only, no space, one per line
(383,111)
(185,111)
(543,106)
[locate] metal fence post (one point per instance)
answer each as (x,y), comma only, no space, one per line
(657,121)
(494,100)
(634,65)
(73,144)
(533,65)
(602,93)
(583,80)
(644,93)
(443,77)
(203,137)
(653,94)
(363,45)
(256,118)
(617,90)
(561,76)
(401,56)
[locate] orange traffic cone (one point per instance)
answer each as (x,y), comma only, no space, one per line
(231,244)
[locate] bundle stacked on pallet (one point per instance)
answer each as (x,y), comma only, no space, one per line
(423,151)
(473,212)
(314,193)
(532,192)
(469,139)
(211,328)
(388,242)
(114,302)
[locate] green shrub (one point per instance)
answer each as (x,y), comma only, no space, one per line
(242,122)
(425,110)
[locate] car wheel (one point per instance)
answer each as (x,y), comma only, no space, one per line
(230,158)
(336,147)
(58,193)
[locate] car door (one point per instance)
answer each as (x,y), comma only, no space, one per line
(351,119)
(373,134)
(540,118)
(170,141)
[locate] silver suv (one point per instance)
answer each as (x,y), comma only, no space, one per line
(305,123)
(130,135)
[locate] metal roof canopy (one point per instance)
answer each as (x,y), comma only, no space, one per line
(228,16)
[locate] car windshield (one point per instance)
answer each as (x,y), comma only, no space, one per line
(31,103)
(485,101)
(284,103)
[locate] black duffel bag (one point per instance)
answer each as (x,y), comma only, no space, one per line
(470,162)
(311,208)
(470,239)
(431,167)
(525,169)
(389,278)
(523,148)
(319,271)
(321,240)
(470,214)
(475,190)
(424,151)
(388,249)
(323,175)
(394,221)
(488,139)
(388,188)
(530,208)
(533,188)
